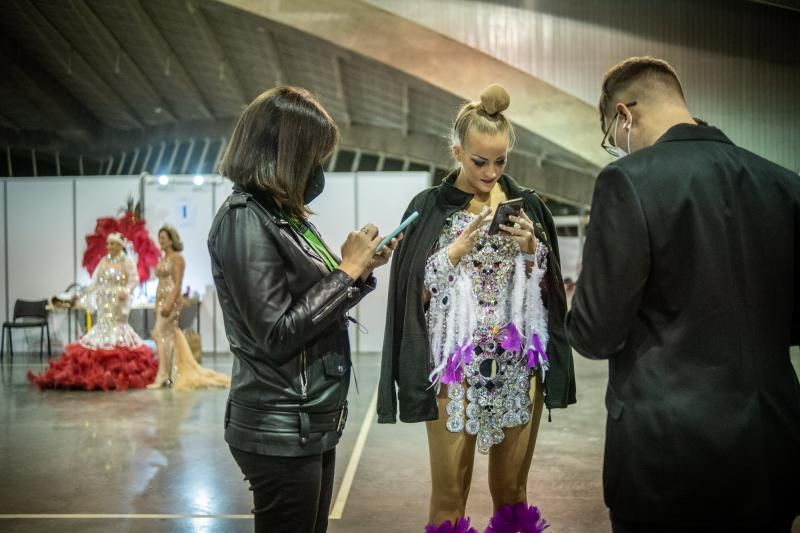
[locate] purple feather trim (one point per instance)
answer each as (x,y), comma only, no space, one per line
(454,371)
(462,526)
(536,354)
(511,339)
(517,518)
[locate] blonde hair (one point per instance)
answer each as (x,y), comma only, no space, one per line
(173,235)
(485,116)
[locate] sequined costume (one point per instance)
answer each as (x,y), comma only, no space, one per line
(176,362)
(111,355)
(487,328)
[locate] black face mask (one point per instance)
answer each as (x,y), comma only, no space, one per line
(314,185)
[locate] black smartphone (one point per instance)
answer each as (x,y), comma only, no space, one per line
(503,211)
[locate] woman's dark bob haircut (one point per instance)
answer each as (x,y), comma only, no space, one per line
(279,139)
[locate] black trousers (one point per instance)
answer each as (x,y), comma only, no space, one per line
(290,494)
(770,525)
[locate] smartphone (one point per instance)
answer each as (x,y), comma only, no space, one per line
(403,225)
(503,211)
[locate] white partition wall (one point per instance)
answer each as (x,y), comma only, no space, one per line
(40,240)
(190,209)
(382,199)
(3,257)
(45,221)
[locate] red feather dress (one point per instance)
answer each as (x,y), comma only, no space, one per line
(111,355)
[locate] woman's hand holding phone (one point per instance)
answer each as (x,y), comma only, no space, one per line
(465,242)
(522,232)
(358,251)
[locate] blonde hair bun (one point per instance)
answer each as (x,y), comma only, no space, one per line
(495,99)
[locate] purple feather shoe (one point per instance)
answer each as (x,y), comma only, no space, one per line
(462,525)
(517,518)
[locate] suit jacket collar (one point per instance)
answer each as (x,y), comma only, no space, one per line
(692,132)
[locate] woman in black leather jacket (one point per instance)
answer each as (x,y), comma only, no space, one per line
(285,297)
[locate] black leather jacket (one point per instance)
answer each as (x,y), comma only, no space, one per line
(285,319)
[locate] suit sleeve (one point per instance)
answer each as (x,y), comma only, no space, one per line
(616,267)
(253,270)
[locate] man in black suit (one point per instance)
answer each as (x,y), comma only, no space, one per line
(691,289)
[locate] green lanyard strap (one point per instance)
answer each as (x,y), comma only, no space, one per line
(311,238)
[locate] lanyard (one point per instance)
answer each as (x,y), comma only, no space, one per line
(311,238)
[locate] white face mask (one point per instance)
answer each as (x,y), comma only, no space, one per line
(616,150)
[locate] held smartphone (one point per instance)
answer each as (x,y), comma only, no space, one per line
(503,211)
(403,225)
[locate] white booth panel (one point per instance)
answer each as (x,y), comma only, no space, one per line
(3,255)
(212,314)
(190,210)
(95,198)
(40,244)
(335,216)
(382,200)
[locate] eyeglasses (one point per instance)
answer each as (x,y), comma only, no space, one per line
(605,144)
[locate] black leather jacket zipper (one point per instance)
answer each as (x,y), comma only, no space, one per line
(303,374)
(325,311)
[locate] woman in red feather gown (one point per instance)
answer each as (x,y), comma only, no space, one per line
(111,355)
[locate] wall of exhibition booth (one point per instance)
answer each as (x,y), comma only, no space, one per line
(44,223)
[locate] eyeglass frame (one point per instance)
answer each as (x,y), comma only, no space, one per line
(604,144)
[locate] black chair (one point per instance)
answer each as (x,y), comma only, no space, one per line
(33,315)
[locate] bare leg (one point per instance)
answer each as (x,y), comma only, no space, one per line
(451,457)
(510,461)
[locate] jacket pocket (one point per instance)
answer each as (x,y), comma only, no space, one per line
(335,364)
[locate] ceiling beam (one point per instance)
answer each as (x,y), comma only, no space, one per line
(70,116)
(340,93)
(148,27)
(108,46)
(793,5)
(271,46)
(40,22)
(227,71)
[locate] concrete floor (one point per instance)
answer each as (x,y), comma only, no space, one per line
(158,458)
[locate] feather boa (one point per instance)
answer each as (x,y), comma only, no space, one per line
(517,518)
(462,525)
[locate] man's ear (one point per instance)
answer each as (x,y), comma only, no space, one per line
(625,115)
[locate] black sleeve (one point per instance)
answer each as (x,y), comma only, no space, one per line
(616,266)
(253,270)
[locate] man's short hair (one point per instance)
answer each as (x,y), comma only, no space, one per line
(636,69)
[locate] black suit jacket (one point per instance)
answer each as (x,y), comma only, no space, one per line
(690,290)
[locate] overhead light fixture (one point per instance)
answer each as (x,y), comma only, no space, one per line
(163,180)
(199,180)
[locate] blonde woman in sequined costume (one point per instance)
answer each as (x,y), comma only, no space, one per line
(492,342)
(176,364)
(111,355)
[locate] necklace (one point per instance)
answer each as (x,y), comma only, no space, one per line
(115,259)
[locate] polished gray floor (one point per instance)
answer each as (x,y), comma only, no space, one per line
(71,461)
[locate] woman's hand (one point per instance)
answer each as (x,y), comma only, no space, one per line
(358,251)
(122,295)
(382,257)
(522,232)
(166,310)
(468,237)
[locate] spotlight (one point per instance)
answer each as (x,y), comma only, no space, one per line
(199,181)
(163,180)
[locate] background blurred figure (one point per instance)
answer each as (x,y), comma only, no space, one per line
(111,355)
(176,363)
(690,288)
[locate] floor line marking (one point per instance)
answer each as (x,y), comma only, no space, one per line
(349,475)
